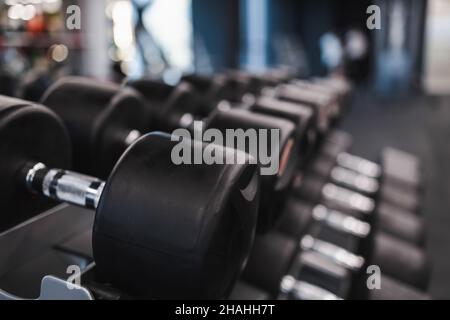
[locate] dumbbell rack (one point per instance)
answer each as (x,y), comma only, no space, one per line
(35,257)
(45,246)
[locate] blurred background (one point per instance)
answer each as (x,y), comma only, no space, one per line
(401,70)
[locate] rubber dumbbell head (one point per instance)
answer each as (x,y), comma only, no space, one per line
(102,118)
(27,132)
(161,230)
(169,104)
(274,187)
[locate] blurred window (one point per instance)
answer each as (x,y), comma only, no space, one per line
(255,38)
(170,23)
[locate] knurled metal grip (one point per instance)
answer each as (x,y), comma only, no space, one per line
(65,186)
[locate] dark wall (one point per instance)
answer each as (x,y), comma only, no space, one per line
(307,20)
(217,28)
(216,32)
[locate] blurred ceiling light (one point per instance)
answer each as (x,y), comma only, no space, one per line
(51,6)
(397,21)
(122,15)
(172,76)
(112,53)
(29,12)
(11,2)
(331,50)
(356,44)
(123,33)
(170,24)
(59,52)
(124,68)
(109,9)
(126,55)
(15,12)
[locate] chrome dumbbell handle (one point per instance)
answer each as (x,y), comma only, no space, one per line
(360,165)
(338,255)
(341,222)
(354,180)
(300,290)
(64,186)
(347,198)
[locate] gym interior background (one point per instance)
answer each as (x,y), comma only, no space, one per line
(400,71)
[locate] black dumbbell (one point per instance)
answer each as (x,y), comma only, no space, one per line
(360,206)
(402,179)
(388,218)
(221,93)
(300,214)
(409,233)
(332,234)
(283,86)
(412,231)
(270,259)
(326,97)
(396,182)
(161,230)
(391,218)
(27,133)
(343,230)
(369,202)
(103,120)
(274,255)
(330,267)
(93,103)
(314,268)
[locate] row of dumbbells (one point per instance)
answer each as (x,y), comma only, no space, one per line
(188,231)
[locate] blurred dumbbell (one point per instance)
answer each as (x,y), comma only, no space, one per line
(396,257)
(201,83)
(103,119)
(273,256)
(391,218)
(210,95)
(411,230)
(353,203)
(237,115)
(388,218)
(395,182)
(161,230)
(33,85)
(327,267)
(8,83)
(326,98)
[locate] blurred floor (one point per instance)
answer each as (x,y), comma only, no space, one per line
(420,125)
